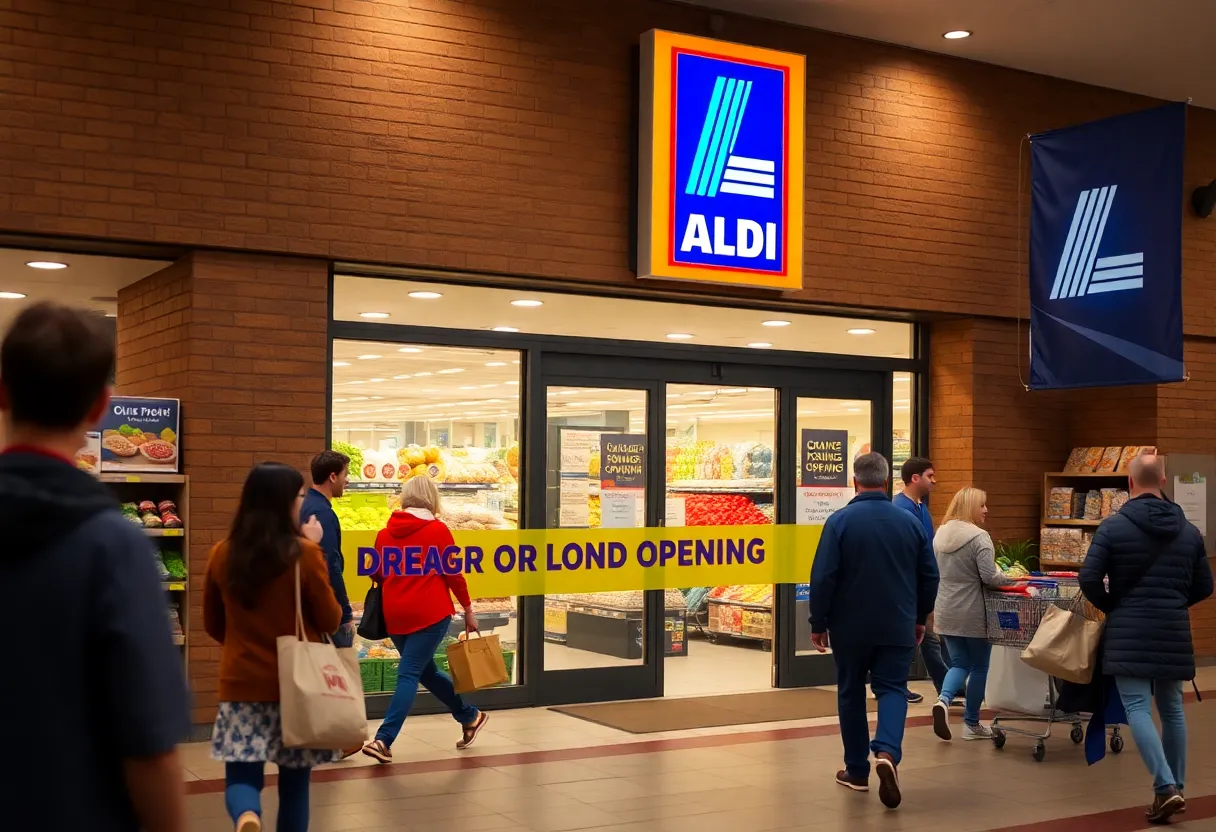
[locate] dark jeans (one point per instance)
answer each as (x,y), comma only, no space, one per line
(344,637)
(243,793)
(888,671)
(417,665)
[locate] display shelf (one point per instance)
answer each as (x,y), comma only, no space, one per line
(174,586)
(165,532)
(385,485)
(756,486)
(747,605)
(144,479)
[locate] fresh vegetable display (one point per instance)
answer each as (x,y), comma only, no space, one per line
(706,460)
(353,453)
(722,510)
(174,565)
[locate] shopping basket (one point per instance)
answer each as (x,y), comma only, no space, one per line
(1012,620)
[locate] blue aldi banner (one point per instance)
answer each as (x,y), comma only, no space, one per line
(1106,252)
(721,152)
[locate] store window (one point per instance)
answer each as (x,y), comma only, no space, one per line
(624,319)
(414,410)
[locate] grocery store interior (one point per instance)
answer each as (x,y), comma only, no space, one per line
(431,379)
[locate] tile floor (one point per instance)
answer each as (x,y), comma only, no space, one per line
(544,772)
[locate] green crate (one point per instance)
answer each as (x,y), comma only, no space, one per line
(388,681)
(372,671)
(508,658)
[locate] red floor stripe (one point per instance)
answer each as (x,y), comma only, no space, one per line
(1118,820)
(520,758)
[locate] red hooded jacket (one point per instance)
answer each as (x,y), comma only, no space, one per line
(413,602)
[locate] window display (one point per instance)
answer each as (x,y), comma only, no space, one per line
(451,414)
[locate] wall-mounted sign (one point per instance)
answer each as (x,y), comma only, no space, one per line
(720,193)
(140,435)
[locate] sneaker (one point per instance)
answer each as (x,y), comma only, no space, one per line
(977,732)
(941,721)
(248,822)
(1182,808)
(888,781)
(378,751)
(857,784)
(1165,805)
(914,698)
(347,753)
(473,729)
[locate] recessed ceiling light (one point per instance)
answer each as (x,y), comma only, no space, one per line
(861,331)
(376,380)
(957,34)
(49,265)
(759,345)
(11,295)
(401,377)
(680,336)
(853,409)
(422,375)
(425,295)
(527,303)
(375,398)
(368,357)
(377,316)
(469,387)
(496,363)
(902,379)
(357,381)
(451,371)
(776,323)
(111,314)
(510,382)
(341,363)
(505,329)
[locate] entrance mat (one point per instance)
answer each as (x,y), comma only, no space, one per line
(649,716)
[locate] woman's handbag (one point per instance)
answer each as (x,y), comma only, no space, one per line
(320,690)
(372,626)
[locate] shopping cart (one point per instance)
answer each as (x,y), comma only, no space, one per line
(1012,620)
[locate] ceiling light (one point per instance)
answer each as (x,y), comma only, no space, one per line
(376,398)
(425,295)
(516,361)
(401,377)
(422,375)
(410,350)
(496,363)
(339,401)
(376,380)
(680,336)
(368,357)
(377,316)
(528,303)
(469,387)
(759,345)
(853,409)
(902,379)
(505,329)
(111,314)
(775,323)
(957,34)
(510,382)
(11,296)
(357,381)
(451,371)
(48,265)
(861,331)
(341,363)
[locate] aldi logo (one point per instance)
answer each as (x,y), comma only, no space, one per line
(721,149)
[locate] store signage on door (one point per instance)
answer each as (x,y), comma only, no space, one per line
(720,195)
(622,481)
(823,475)
(1106,252)
(499,564)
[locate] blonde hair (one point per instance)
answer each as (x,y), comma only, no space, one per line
(966,505)
(420,492)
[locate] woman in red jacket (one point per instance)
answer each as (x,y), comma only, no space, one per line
(417,611)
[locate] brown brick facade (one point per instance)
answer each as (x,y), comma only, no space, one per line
(241,340)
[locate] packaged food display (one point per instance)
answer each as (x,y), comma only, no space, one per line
(1063,545)
(1110,460)
(1076,460)
(1093,505)
(722,510)
(1059,503)
(1093,458)
(1130,453)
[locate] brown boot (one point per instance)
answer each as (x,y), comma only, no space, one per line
(888,781)
(857,784)
(1165,805)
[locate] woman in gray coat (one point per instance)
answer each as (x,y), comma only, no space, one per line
(967,563)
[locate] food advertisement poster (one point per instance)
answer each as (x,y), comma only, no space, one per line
(88,458)
(141,435)
(823,475)
(623,480)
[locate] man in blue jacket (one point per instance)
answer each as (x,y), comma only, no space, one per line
(873,585)
(330,474)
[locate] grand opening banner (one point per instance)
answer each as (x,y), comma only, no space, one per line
(1106,251)
(499,564)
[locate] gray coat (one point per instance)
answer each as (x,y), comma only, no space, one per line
(967,562)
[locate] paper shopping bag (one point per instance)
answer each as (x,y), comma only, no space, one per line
(320,691)
(476,663)
(1065,645)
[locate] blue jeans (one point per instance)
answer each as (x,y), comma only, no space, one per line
(344,637)
(969,658)
(937,659)
(243,793)
(417,665)
(1164,755)
(888,671)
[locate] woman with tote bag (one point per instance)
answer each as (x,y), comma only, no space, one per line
(249,601)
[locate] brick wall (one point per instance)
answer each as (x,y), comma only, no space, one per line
(241,340)
(495,135)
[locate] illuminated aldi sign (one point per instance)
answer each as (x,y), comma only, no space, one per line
(721,162)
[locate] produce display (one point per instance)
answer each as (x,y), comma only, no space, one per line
(174,565)
(630,600)
(473,518)
(365,517)
(594,513)
(707,460)
(759,594)
(722,510)
(353,453)
(150,515)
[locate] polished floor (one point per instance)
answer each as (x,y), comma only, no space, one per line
(544,772)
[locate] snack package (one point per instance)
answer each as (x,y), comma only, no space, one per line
(1059,503)
(1076,459)
(1110,460)
(1093,458)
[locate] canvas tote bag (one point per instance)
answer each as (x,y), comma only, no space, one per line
(476,663)
(1065,645)
(320,690)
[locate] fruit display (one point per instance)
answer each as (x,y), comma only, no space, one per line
(707,460)
(593,467)
(722,510)
(759,594)
(353,453)
(361,518)
(594,515)
(512,459)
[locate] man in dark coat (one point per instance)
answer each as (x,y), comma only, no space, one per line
(1157,569)
(873,584)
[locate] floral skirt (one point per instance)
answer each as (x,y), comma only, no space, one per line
(250,732)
